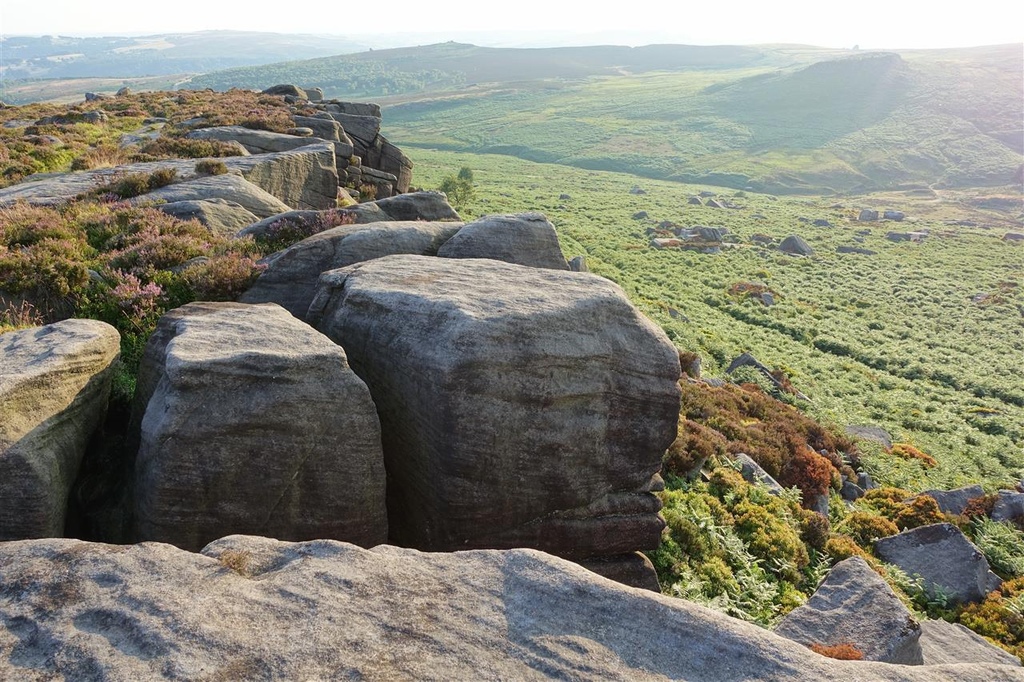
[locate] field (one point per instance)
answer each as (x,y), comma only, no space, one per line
(923,339)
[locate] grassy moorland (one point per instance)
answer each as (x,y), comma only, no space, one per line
(924,339)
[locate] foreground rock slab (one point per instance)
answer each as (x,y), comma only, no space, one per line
(253,422)
(54,387)
(853,605)
(520,407)
(259,609)
(943,642)
(944,558)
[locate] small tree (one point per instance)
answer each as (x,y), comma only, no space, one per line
(459,188)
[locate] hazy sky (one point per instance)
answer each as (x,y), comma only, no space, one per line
(868,23)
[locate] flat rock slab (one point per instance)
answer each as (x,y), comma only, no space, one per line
(520,407)
(54,387)
(304,178)
(253,422)
(853,605)
(943,642)
(943,556)
(254,141)
(252,608)
(223,217)
(291,276)
(228,187)
(523,239)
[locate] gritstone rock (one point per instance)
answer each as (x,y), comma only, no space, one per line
(54,386)
(253,422)
(523,239)
(520,407)
(257,608)
(853,605)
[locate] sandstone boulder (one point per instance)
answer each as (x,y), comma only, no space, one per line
(253,422)
(230,188)
(521,407)
(362,129)
(429,205)
(955,501)
(944,558)
(325,129)
(753,473)
(853,605)
(54,386)
(256,608)
(354,108)
(796,246)
(524,239)
(223,217)
(386,157)
(943,642)
(1009,506)
(291,276)
(286,89)
(867,215)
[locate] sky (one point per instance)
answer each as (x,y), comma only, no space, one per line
(870,24)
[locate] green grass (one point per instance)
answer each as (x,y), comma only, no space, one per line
(893,339)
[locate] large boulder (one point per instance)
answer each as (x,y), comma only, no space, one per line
(54,386)
(291,276)
(943,642)
(796,245)
(523,239)
(1009,505)
(286,89)
(853,605)
(229,187)
(944,558)
(520,407)
(362,129)
(253,608)
(355,108)
(323,128)
(429,205)
(253,422)
(360,214)
(223,217)
(386,157)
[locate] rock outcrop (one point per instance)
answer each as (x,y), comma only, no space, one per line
(428,205)
(220,215)
(524,239)
(944,558)
(291,276)
(54,386)
(250,421)
(231,188)
(520,407)
(943,642)
(853,605)
(256,608)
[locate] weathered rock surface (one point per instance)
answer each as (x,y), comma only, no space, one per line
(520,407)
(54,386)
(796,245)
(291,276)
(853,605)
(220,215)
(870,432)
(229,187)
(944,558)
(943,642)
(867,215)
(323,128)
(429,205)
(360,214)
(75,610)
(390,159)
(253,422)
(286,89)
(304,178)
(955,501)
(254,141)
(524,239)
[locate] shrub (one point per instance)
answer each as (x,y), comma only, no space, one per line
(211,167)
(840,547)
(136,184)
(19,316)
(814,530)
(980,506)
(694,445)
(922,510)
(1000,617)
(865,527)
(810,472)
(222,278)
(908,451)
(841,652)
(772,539)
(283,233)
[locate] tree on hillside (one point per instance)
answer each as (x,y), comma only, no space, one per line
(459,188)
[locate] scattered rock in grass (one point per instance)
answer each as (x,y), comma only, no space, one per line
(796,245)
(955,501)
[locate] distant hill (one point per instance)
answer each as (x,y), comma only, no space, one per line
(61,57)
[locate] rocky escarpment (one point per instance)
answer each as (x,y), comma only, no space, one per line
(257,608)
